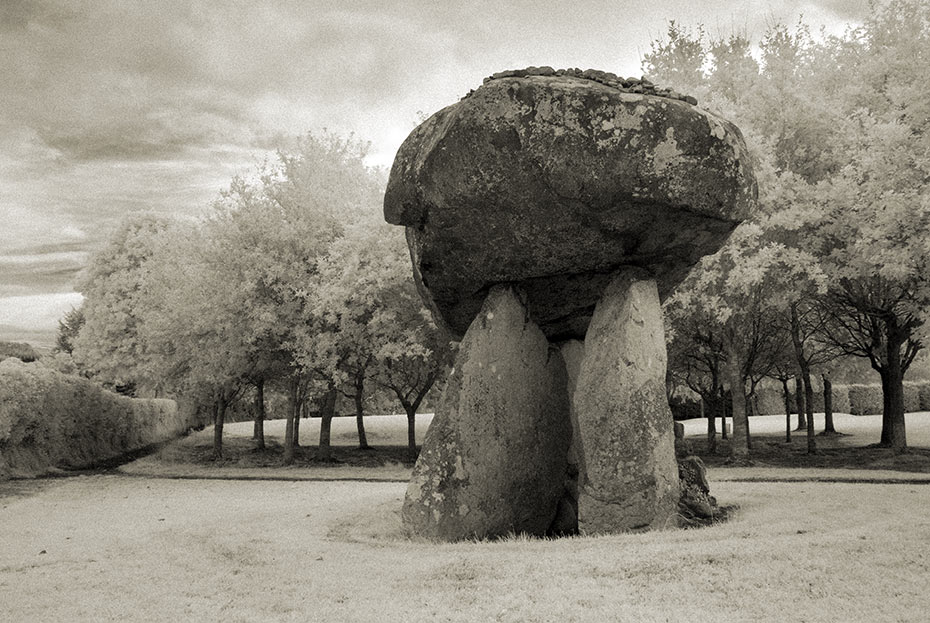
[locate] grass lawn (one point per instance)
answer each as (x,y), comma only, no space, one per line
(386,460)
(112,548)
(190,456)
(294,546)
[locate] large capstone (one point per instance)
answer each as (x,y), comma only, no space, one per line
(557,181)
(630,479)
(494,461)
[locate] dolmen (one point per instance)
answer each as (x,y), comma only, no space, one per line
(548,213)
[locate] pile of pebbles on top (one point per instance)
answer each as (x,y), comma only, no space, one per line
(627,85)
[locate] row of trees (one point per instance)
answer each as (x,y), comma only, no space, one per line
(291,282)
(836,263)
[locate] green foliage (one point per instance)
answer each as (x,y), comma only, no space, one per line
(839,131)
(841,402)
(770,401)
(109,346)
(68,328)
(48,419)
(864,399)
(923,396)
(867,399)
(19,350)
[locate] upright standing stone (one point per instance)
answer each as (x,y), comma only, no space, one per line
(631,476)
(495,457)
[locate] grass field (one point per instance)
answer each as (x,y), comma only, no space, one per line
(128,546)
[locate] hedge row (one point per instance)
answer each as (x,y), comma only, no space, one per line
(49,419)
(856,399)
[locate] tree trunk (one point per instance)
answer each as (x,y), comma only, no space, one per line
(809,399)
(885,440)
(359,411)
(292,408)
(722,403)
(787,396)
(739,446)
(708,411)
(219,418)
(258,429)
(800,403)
(897,437)
(751,410)
(411,432)
(299,412)
(828,427)
(327,411)
(804,366)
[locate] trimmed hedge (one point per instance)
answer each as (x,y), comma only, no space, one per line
(923,395)
(769,401)
(867,399)
(912,396)
(864,399)
(49,419)
(841,399)
(856,399)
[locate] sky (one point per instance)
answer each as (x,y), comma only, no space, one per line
(108,107)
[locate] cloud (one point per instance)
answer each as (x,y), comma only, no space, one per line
(111,106)
(38,311)
(41,271)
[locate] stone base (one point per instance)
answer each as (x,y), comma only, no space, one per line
(494,461)
(500,456)
(630,480)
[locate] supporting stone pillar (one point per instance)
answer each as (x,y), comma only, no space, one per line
(630,480)
(494,459)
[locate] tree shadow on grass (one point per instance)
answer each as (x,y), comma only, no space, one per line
(832,453)
(241,452)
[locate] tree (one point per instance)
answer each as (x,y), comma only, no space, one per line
(732,296)
(192,319)
(875,212)
(68,328)
(269,231)
(109,346)
(366,320)
(414,356)
(839,131)
(696,359)
(19,350)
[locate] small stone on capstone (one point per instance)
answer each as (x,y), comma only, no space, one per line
(691,100)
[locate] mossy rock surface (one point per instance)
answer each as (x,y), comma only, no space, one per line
(556,181)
